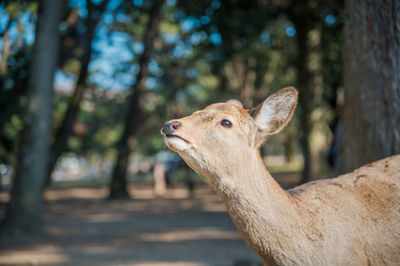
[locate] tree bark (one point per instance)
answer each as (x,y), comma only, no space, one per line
(118,185)
(24,210)
(371,113)
(64,132)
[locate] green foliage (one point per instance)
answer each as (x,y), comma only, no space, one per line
(14,8)
(102,124)
(15,59)
(206,51)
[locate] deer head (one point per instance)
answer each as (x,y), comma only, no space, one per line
(221,136)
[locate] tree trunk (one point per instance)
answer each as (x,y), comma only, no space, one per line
(64,132)
(305,99)
(5,51)
(309,82)
(118,185)
(24,210)
(371,112)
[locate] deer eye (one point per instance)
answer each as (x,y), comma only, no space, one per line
(226,123)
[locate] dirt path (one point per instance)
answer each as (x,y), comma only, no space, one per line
(84,229)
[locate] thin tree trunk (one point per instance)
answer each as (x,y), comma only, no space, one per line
(305,100)
(5,51)
(24,210)
(118,185)
(371,113)
(309,81)
(64,132)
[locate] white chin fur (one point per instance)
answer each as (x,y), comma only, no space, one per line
(177,143)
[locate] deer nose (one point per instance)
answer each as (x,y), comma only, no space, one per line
(170,127)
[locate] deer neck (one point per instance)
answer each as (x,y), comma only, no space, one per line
(264,213)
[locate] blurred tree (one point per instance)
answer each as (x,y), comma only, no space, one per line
(252,55)
(24,209)
(331,57)
(316,87)
(64,131)
(5,51)
(371,113)
(199,57)
(257,56)
(306,19)
(246,49)
(133,119)
(238,36)
(16,56)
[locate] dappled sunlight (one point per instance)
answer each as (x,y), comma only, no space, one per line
(187,235)
(75,193)
(83,227)
(38,255)
(105,217)
(175,263)
(137,192)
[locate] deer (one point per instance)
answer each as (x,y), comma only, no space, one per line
(352,219)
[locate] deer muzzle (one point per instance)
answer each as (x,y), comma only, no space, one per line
(170,127)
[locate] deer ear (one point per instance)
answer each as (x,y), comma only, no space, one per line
(235,102)
(275,112)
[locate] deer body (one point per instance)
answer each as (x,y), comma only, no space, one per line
(351,219)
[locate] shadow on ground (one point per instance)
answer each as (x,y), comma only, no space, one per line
(81,228)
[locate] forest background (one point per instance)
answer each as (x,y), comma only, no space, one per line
(86,85)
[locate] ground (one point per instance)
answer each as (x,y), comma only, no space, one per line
(82,228)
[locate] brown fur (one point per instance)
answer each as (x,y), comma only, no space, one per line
(353,219)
